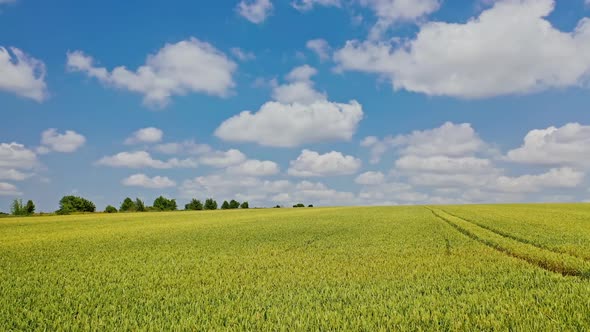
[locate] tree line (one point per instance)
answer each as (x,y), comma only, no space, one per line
(74,204)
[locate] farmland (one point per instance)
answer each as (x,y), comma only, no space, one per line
(523,267)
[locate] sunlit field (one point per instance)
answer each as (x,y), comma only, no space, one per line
(520,267)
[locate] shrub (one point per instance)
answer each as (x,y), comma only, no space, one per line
(233,204)
(139,206)
(210,204)
(17,208)
(225,205)
(128,205)
(164,204)
(30,207)
(194,205)
(110,209)
(244,205)
(71,204)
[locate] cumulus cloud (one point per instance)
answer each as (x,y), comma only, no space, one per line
(301,115)
(389,12)
(311,164)
(13,175)
(370,178)
(52,140)
(223,159)
(142,159)
(176,69)
(242,55)
(447,140)
(17,156)
(186,147)
(320,47)
(555,178)
(145,135)
(7,189)
(22,74)
(304,5)
(566,145)
(255,11)
(255,168)
(142,180)
(510,48)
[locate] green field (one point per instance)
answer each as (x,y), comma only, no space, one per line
(519,267)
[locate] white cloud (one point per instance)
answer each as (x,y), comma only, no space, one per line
(242,55)
(310,164)
(304,5)
(228,186)
(567,145)
(392,11)
(142,159)
(177,69)
(510,48)
(223,159)
(145,135)
(14,155)
(319,47)
(142,180)
(22,74)
(447,140)
(13,175)
(301,115)
(555,178)
(291,125)
(185,147)
(255,11)
(7,189)
(370,178)
(255,168)
(52,140)
(444,164)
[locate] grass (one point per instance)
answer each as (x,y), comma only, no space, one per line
(371,269)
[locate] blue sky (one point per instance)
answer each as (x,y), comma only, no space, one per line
(349,102)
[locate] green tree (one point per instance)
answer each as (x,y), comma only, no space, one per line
(164,204)
(245,205)
(110,209)
(225,205)
(17,208)
(233,204)
(300,205)
(310,205)
(210,204)
(139,205)
(70,204)
(194,205)
(30,207)
(128,205)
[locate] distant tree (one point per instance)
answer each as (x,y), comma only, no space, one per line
(139,205)
(71,204)
(164,204)
(194,205)
(225,205)
(210,204)
(30,207)
(300,205)
(110,209)
(277,206)
(233,204)
(17,208)
(310,205)
(128,205)
(244,205)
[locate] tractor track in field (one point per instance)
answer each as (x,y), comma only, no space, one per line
(556,262)
(516,238)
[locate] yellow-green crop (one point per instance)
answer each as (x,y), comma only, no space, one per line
(368,269)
